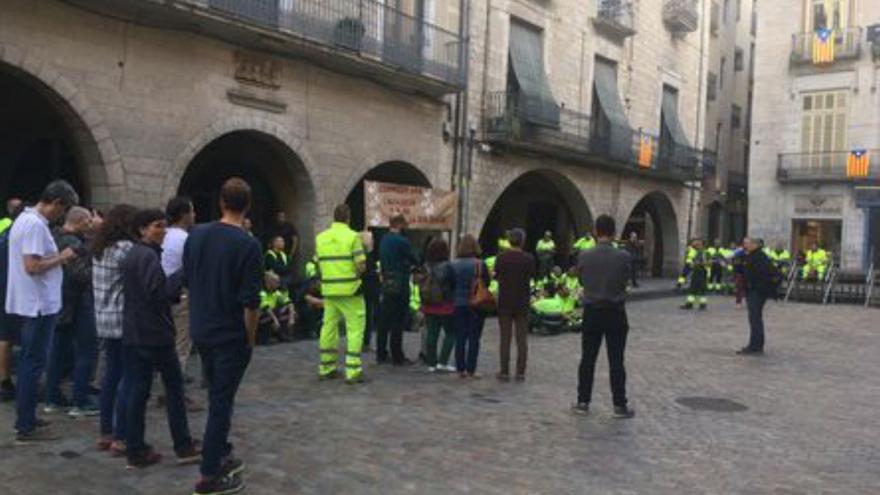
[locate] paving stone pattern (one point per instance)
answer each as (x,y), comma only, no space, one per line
(808,425)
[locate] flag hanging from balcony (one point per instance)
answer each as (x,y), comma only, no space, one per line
(823,46)
(857,164)
(646,151)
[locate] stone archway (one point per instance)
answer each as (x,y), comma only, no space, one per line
(537,201)
(277,175)
(75,141)
(654,219)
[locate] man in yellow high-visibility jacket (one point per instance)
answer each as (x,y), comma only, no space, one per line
(816,263)
(341,263)
(13,207)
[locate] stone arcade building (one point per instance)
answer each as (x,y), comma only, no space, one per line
(575,108)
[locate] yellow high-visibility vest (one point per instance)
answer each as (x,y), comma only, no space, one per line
(339,249)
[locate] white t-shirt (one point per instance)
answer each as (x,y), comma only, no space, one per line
(172,250)
(32,295)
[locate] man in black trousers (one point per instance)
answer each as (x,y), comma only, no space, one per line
(761,279)
(604,272)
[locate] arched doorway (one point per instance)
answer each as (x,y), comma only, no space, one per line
(396,172)
(538,201)
(277,177)
(41,139)
(654,220)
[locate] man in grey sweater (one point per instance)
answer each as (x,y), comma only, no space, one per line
(604,272)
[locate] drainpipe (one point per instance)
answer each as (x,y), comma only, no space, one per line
(463,143)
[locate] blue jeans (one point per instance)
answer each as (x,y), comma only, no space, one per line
(755,302)
(79,339)
(114,391)
(468,330)
(140,362)
(36,332)
(224,367)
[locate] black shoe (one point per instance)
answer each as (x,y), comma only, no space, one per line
(329,376)
(702,307)
(356,380)
(404,362)
(143,459)
(686,306)
(623,412)
(37,435)
(220,485)
(581,408)
(746,351)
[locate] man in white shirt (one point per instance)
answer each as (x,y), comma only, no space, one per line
(181,217)
(34,294)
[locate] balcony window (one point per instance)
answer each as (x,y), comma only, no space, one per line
(611,132)
(823,127)
(527,77)
(615,18)
(681,16)
(711,86)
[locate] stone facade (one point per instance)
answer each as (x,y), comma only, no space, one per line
(731,47)
(646,61)
(142,102)
(780,88)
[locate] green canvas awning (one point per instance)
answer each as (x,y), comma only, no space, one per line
(617,138)
(535,100)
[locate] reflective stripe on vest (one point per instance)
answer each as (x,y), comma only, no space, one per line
(338,249)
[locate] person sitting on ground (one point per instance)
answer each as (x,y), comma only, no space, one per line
(276,309)
(547,311)
(570,313)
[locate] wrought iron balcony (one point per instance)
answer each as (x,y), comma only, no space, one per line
(362,37)
(681,16)
(826,167)
(847,45)
(615,18)
(513,122)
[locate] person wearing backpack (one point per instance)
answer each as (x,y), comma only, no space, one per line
(435,286)
(514,269)
(470,278)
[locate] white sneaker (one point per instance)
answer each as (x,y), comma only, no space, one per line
(433,369)
(448,367)
(53,408)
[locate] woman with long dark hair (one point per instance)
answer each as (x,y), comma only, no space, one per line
(112,243)
(437,304)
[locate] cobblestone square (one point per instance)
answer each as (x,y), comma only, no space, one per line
(800,420)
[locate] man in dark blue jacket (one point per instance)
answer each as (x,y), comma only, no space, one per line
(396,259)
(761,281)
(148,338)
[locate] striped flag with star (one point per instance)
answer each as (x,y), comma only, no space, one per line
(646,151)
(857,164)
(823,46)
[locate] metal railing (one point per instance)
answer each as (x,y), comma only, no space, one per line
(617,14)
(870,281)
(828,166)
(681,15)
(847,45)
(516,119)
(366,27)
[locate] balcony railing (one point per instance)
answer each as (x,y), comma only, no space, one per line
(737,183)
(615,18)
(509,121)
(681,16)
(847,45)
(821,167)
(361,37)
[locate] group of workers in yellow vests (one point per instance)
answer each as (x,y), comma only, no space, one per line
(713,269)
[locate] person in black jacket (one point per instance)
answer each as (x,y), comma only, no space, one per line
(148,339)
(760,280)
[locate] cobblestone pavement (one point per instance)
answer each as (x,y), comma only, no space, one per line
(810,426)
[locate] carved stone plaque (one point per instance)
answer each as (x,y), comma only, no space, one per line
(258,70)
(818,204)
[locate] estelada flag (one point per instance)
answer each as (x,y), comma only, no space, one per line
(646,151)
(823,46)
(857,164)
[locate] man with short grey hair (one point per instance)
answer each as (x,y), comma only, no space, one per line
(34,282)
